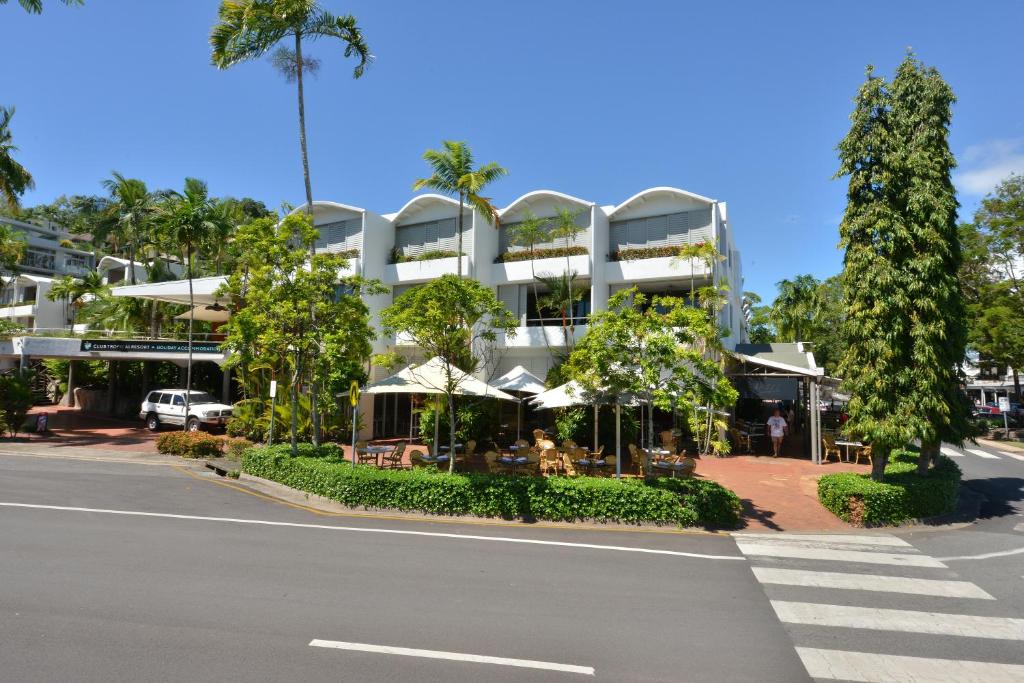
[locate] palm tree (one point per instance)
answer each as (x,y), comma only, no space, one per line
(248,29)
(562,299)
(564,226)
(74,291)
(528,233)
(129,212)
(14,179)
(188,219)
(36,6)
(453,174)
(794,307)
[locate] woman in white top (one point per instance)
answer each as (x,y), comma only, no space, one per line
(777,429)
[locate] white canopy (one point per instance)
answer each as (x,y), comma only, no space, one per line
(573,394)
(205,313)
(175,291)
(429,378)
(520,379)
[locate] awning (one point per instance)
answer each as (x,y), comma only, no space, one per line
(175,291)
(429,378)
(207,313)
(573,394)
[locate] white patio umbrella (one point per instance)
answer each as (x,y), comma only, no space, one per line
(430,378)
(219,314)
(522,380)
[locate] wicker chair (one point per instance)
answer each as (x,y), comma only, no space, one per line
(539,435)
(865,452)
(680,467)
(393,460)
(522,444)
(829,447)
(669,441)
(637,457)
(470,448)
(741,439)
(549,460)
(416,459)
(609,468)
(491,460)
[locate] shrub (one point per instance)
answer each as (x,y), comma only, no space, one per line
(398,257)
(15,401)
(527,255)
(903,496)
(638,253)
(190,444)
(687,502)
(234,447)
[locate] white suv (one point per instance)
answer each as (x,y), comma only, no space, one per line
(167,406)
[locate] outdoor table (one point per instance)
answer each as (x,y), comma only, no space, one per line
(591,463)
(847,445)
(375,451)
(513,462)
(458,447)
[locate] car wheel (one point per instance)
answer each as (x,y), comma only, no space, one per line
(152,422)
(192,425)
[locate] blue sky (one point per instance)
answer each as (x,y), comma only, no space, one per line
(741,101)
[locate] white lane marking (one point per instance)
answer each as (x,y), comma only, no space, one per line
(870,582)
(985,556)
(845,539)
(400,532)
(951,452)
(1015,456)
(787,542)
(866,667)
(907,621)
(1019,527)
(982,454)
(456,656)
(778,550)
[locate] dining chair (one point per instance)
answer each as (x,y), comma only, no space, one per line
(416,459)
(829,447)
(863,451)
(548,461)
(522,444)
(538,435)
(470,448)
(609,466)
(741,439)
(491,460)
(569,458)
(393,460)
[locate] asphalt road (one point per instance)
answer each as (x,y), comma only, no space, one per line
(134,572)
(95,596)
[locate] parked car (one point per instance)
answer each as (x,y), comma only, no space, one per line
(167,406)
(980,411)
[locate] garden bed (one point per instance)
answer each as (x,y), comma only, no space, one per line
(904,496)
(681,502)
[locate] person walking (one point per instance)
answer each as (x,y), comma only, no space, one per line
(777,429)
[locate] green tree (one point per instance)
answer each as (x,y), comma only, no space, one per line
(248,29)
(445,318)
(528,233)
(564,226)
(454,174)
(130,211)
(794,308)
(15,180)
(12,247)
(293,314)
(760,328)
(660,350)
(188,218)
(73,290)
(15,400)
(904,325)
(36,6)
(561,299)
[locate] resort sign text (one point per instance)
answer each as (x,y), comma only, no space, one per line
(132,346)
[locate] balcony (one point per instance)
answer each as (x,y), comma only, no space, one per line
(659,268)
(538,337)
(423,271)
(520,271)
(22,310)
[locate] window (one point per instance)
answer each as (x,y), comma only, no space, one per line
(179,400)
(419,238)
(508,229)
(340,235)
(667,230)
(552,317)
(165,399)
(154,397)
(28,295)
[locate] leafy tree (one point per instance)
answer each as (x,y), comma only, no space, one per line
(528,233)
(454,174)
(12,247)
(561,299)
(74,290)
(15,180)
(15,400)
(293,313)
(659,349)
(248,29)
(794,308)
(904,327)
(36,6)
(131,210)
(564,226)
(445,318)
(760,329)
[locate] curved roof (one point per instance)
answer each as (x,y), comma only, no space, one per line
(114,262)
(423,199)
(328,205)
(641,197)
(530,197)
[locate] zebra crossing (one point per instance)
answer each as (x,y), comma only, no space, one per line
(954,452)
(873,608)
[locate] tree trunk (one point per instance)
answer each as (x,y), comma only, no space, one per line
(1016,385)
(880,458)
(314,408)
(71,384)
(131,260)
(191,321)
(650,439)
(451,433)
(927,455)
(111,385)
(458,222)
(295,407)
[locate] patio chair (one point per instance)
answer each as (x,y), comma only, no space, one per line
(568,444)
(866,452)
(569,458)
(741,439)
(548,461)
(829,447)
(681,467)
(637,457)
(491,460)
(609,467)
(522,444)
(539,435)
(470,448)
(416,459)
(393,460)
(668,441)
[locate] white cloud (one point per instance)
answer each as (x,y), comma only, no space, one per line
(983,166)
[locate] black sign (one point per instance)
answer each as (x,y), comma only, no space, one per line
(132,346)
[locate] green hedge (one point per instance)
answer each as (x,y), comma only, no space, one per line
(527,255)
(903,496)
(686,502)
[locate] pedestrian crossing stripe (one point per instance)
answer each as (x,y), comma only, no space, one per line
(844,539)
(951,452)
(982,454)
(864,667)
(870,582)
(1015,456)
(830,554)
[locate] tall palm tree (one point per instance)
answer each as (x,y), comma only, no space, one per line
(453,174)
(129,213)
(794,307)
(248,29)
(188,218)
(564,226)
(562,299)
(74,292)
(14,179)
(36,6)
